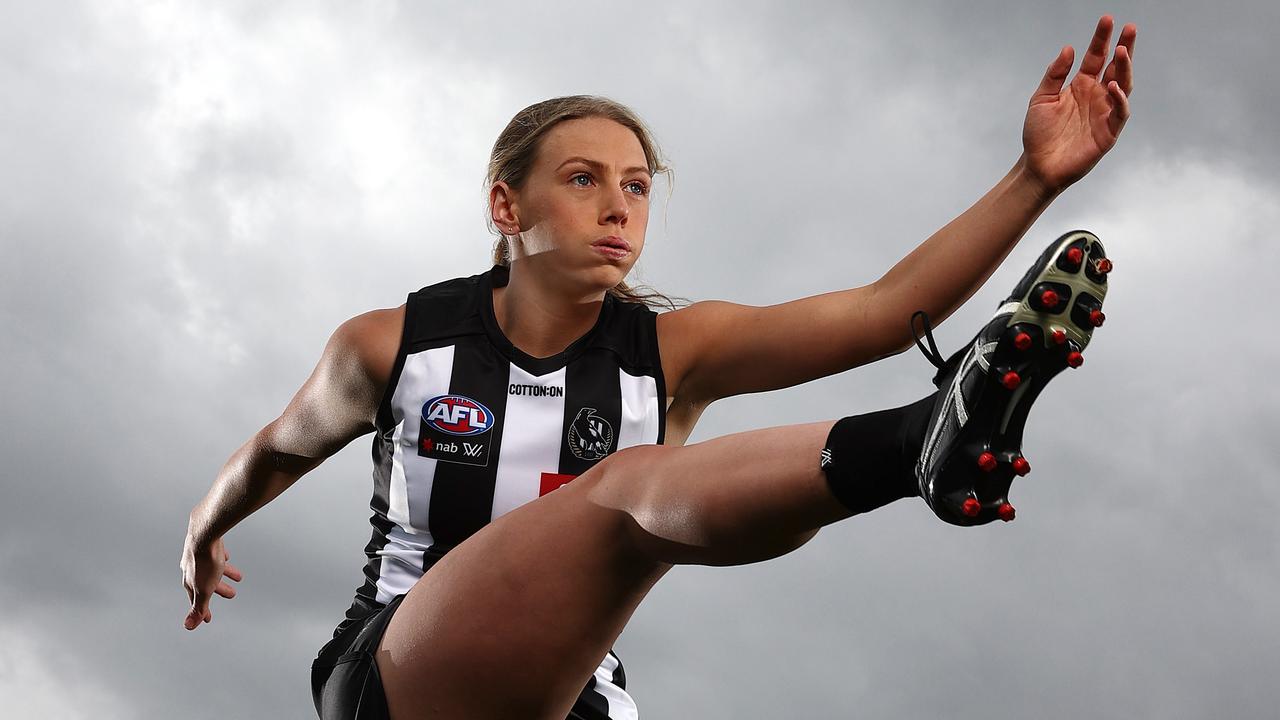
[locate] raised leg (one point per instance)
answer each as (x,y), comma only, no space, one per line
(511,622)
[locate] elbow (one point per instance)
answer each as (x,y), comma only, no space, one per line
(280,451)
(889,319)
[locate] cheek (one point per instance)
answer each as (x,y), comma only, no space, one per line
(567,213)
(558,220)
(640,218)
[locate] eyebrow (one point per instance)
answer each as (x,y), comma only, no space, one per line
(600,166)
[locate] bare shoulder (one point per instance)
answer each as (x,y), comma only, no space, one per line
(681,337)
(339,401)
(681,334)
(371,338)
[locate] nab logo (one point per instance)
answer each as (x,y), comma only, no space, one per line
(457,415)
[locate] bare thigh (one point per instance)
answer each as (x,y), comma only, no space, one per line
(513,621)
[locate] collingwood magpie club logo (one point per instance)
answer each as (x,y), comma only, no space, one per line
(455,428)
(590,436)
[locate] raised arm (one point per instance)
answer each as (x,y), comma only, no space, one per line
(718,349)
(336,404)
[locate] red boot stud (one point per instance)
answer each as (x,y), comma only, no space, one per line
(1074,256)
(1096,318)
(1049,299)
(1006,512)
(1075,359)
(1021,466)
(1059,336)
(1011,380)
(971,507)
(987,462)
(1022,341)
(1104,265)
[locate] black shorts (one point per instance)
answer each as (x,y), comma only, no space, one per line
(345,684)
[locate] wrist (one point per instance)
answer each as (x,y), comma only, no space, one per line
(1034,184)
(199,536)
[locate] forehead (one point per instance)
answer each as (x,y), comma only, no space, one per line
(599,139)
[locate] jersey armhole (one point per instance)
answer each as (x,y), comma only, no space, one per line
(385,419)
(651,332)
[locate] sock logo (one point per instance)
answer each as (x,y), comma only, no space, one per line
(590,436)
(826,458)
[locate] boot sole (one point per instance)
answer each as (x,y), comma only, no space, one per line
(1055,334)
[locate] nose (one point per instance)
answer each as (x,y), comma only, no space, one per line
(614,207)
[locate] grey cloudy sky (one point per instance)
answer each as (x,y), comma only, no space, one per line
(192,197)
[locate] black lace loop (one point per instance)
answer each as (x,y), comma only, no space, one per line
(931,352)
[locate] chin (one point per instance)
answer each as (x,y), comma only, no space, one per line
(609,275)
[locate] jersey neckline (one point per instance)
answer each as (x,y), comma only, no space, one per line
(498,276)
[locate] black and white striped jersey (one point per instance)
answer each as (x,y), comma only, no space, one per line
(470,427)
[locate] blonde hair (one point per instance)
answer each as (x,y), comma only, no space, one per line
(517,146)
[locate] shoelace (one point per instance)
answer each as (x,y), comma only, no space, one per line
(930,352)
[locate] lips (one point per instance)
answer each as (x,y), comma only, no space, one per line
(613,241)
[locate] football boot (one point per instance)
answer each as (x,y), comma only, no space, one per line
(972,447)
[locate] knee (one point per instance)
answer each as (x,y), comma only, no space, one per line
(672,516)
(623,480)
(637,456)
(635,484)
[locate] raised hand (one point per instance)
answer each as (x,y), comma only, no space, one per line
(1068,130)
(203,567)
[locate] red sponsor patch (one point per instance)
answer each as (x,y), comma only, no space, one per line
(551,481)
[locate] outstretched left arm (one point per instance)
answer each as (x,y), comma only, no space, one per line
(719,349)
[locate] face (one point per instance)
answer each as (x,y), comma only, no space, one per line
(588,183)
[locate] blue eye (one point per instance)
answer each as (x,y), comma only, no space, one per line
(579,175)
(644,190)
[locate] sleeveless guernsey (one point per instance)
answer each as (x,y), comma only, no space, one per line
(470,427)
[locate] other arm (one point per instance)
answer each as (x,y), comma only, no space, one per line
(719,349)
(337,404)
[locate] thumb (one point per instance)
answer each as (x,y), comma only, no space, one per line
(197,612)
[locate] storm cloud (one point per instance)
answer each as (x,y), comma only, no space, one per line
(192,197)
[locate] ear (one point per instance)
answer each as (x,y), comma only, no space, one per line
(503,209)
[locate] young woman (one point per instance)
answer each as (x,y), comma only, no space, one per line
(530,484)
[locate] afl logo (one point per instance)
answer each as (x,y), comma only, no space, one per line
(457,415)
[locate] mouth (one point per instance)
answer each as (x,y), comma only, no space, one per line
(613,241)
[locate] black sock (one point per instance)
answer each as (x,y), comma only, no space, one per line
(870,459)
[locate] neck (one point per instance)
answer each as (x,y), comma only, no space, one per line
(540,316)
